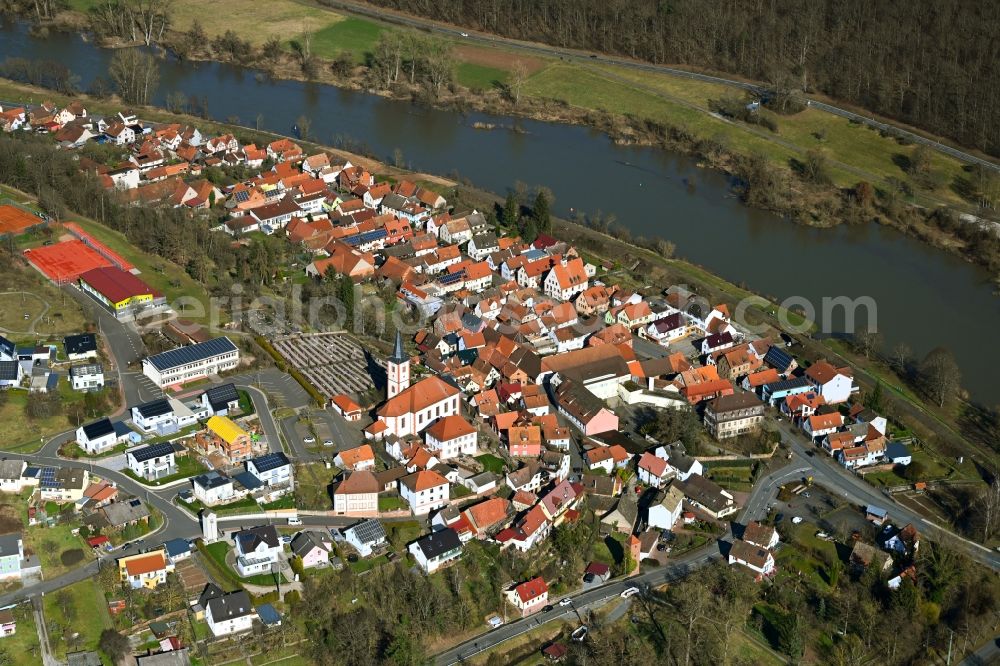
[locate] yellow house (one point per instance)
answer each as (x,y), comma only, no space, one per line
(235,442)
(145,570)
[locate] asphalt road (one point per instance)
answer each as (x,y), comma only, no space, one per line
(988,653)
(828,472)
(486,39)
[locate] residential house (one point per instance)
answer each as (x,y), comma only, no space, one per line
(221,400)
(424,491)
(530,596)
(566,280)
(356,459)
(152,462)
(732,415)
(666,508)
(88,377)
(757,559)
(818,425)
(529,530)
(356,493)
(227,613)
(80,347)
(213,488)
(366,537)
(760,535)
(451,436)
(583,409)
(835,384)
(257,550)
(436,549)
(12,476)
(708,496)
(11,556)
(273,470)
(97,437)
(145,570)
(65,484)
(312,548)
(654,470)
(229,439)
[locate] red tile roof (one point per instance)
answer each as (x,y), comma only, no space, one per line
(532,589)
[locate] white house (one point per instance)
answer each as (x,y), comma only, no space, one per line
(653,469)
(566,280)
(185,364)
(89,377)
(272,469)
(11,374)
(819,425)
(761,535)
(366,537)
(152,462)
(835,384)
(436,549)
(213,488)
(755,558)
(666,511)
(153,415)
(257,549)
(97,437)
(424,491)
(451,436)
(11,476)
(227,614)
(80,347)
(356,493)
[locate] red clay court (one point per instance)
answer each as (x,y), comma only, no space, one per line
(112,256)
(66,261)
(15,221)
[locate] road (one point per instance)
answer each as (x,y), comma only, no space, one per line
(588,57)
(988,653)
(829,473)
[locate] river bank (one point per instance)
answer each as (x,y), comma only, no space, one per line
(787,189)
(644,268)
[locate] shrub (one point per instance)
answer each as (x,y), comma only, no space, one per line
(71,557)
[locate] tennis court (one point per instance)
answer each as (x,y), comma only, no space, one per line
(65,261)
(15,221)
(112,256)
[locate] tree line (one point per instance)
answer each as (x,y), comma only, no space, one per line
(927,63)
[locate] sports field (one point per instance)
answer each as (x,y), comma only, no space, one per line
(65,261)
(15,221)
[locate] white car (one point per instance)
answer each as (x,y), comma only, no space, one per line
(565,602)
(796,520)
(295,521)
(629,591)
(327,442)
(309,440)
(465,34)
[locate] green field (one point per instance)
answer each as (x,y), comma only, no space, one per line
(86,613)
(351,34)
(479,77)
(22,648)
(49,543)
(491,463)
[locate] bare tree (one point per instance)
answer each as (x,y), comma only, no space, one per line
(989,507)
(515,83)
(136,74)
(867,341)
(440,63)
(940,374)
(901,356)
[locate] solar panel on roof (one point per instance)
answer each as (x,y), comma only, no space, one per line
(152,451)
(220,396)
(270,461)
(369,531)
(452,278)
(242,195)
(778,358)
(191,354)
(154,408)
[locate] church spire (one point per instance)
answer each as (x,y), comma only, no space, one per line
(397,353)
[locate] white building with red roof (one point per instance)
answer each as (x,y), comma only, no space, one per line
(567,280)
(530,596)
(424,491)
(416,407)
(452,436)
(654,470)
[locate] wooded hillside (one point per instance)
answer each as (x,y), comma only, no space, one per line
(931,64)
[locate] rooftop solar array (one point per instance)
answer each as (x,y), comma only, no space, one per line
(270,461)
(152,451)
(786,384)
(220,396)
(369,531)
(777,357)
(48,479)
(192,354)
(98,428)
(154,408)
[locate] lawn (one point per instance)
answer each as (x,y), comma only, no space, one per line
(22,648)
(79,608)
(286,502)
(26,291)
(312,481)
(390,503)
(403,532)
(352,34)
(479,77)
(187,466)
(158,273)
(50,543)
(215,560)
(491,463)
(808,554)
(367,563)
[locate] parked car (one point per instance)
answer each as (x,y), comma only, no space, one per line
(565,602)
(295,520)
(309,439)
(327,442)
(629,591)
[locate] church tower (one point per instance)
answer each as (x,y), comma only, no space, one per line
(397,369)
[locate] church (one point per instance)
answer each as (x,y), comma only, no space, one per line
(411,409)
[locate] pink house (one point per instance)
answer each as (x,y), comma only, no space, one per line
(312,548)
(530,596)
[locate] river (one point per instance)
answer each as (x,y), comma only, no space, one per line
(924,296)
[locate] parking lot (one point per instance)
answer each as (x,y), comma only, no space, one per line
(332,362)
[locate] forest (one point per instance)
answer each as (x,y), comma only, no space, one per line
(930,64)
